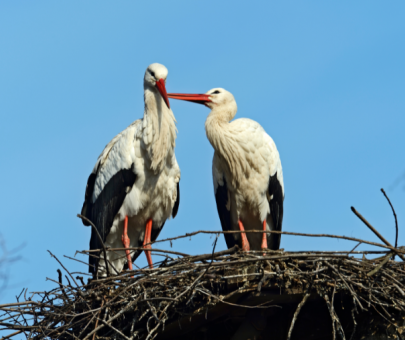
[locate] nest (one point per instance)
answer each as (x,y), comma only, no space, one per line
(226,295)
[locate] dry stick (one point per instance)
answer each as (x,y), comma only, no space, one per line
(137,248)
(395,216)
(393,279)
(98,314)
(19,304)
(113,328)
(335,318)
(382,263)
(88,324)
(64,268)
(348,286)
(339,324)
(399,289)
(123,310)
(401,251)
(71,258)
(351,252)
(160,298)
(219,264)
(235,304)
(10,335)
(201,275)
(101,241)
(327,251)
(229,251)
(61,284)
(377,233)
(297,311)
(326,298)
(354,320)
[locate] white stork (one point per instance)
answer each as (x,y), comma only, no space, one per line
(134,186)
(246,170)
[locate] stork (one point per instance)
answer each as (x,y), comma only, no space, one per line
(246,170)
(134,186)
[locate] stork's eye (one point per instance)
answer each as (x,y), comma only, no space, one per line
(152,74)
(216,92)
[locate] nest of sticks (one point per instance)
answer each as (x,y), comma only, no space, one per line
(226,295)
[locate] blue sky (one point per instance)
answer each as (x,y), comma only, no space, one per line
(325,79)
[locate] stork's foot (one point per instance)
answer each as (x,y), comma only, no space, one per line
(245,242)
(264,239)
(146,240)
(125,241)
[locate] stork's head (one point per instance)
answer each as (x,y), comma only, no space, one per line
(155,78)
(219,97)
(219,100)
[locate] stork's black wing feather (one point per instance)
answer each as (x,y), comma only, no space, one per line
(86,209)
(177,203)
(221,197)
(276,211)
(103,211)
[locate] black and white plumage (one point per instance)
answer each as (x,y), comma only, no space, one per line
(246,170)
(135,179)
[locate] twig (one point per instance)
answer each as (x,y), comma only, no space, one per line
(347,285)
(229,251)
(351,251)
(72,258)
(101,241)
(97,317)
(11,335)
(19,304)
(113,328)
(297,311)
(326,298)
(236,304)
(377,233)
(354,319)
(122,311)
(395,216)
(381,264)
(61,284)
(64,268)
(136,248)
(402,251)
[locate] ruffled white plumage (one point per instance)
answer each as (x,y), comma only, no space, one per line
(145,147)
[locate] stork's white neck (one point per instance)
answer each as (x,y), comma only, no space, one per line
(226,143)
(159,129)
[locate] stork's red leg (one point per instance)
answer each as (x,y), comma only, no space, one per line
(245,242)
(147,239)
(264,240)
(125,241)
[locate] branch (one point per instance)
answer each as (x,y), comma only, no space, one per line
(395,216)
(377,233)
(297,311)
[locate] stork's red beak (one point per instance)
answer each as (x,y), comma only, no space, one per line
(195,98)
(160,84)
